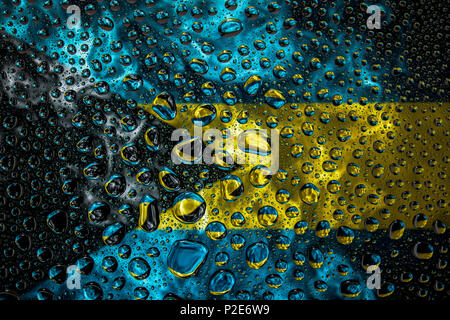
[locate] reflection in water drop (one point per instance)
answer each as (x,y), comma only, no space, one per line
(185,257)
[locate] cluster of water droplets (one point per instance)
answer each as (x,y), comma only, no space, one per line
(85,154)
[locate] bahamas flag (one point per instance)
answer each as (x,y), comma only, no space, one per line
(239,150)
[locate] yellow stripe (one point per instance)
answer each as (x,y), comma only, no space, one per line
(417,141)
